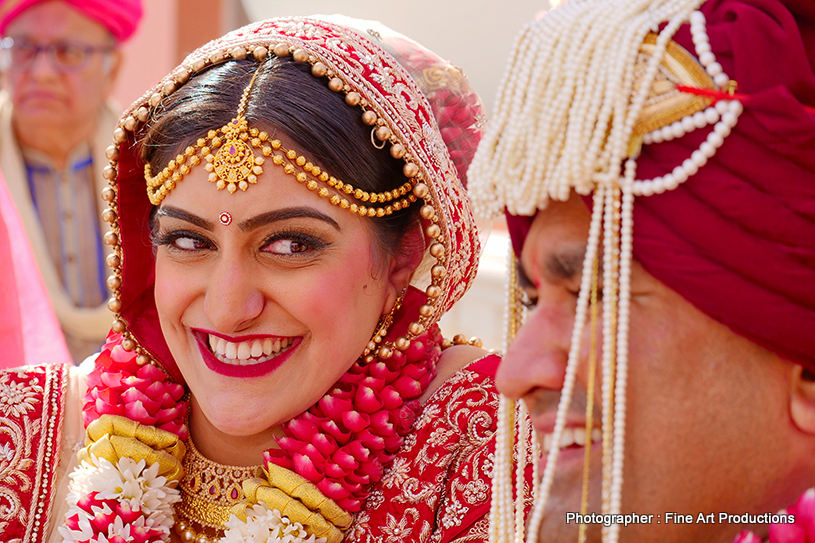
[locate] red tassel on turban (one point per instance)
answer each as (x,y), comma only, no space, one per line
(737,239)
(120,17)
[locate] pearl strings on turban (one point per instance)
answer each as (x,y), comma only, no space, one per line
(757,194)
(725,217)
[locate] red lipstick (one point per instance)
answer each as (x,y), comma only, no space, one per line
(248,371)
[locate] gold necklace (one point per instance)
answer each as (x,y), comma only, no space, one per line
(208,492)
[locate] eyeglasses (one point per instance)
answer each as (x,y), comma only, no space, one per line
(63,56)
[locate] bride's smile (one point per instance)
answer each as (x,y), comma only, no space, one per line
(290,291)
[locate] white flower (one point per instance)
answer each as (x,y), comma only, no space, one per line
(264,525)
(127,482)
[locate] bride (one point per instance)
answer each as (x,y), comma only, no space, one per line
(289,223)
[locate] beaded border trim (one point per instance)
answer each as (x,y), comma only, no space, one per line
(278,45)
(235,166)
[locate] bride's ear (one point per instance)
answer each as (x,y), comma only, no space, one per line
(802,399)
(403,265)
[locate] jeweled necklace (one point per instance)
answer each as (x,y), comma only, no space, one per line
(208,492)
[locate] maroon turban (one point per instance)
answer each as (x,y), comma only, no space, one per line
(120,17)
(737,239)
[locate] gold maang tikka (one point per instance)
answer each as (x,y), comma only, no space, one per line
(236,166)
(233,166)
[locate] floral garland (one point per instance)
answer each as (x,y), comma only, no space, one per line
(118,503)
(125,486)
(344,441)
(264,525)
(124,499)
(800,531)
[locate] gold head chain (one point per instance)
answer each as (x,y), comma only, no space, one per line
(234,165)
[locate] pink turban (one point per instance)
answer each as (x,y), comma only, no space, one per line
(737,239)
(120,17)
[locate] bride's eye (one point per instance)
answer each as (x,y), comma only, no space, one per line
(292,244)
(188,244)
(286,247)
(183,240)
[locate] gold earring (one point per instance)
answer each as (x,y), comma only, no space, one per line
(385,322)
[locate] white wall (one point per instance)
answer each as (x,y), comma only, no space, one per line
(150,54)
(475,35)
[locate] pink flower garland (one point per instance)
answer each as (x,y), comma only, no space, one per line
(105,514)
(119,386)
(342,444)
(344,441)
(801,531)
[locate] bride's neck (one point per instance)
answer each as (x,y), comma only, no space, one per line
(223,448)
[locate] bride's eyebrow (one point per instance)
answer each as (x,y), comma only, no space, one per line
(285,214)
(252,222)
(180,214)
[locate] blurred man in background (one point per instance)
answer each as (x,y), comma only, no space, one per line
(59,61)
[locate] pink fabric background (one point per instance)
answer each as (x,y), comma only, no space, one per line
(29,330)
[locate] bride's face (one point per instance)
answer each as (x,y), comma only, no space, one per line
(265,313)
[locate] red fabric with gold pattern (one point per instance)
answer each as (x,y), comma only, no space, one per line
(437,489)
(32,402)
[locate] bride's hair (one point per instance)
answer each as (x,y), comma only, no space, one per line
(289,103)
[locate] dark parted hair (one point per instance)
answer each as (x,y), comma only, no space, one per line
(285,99)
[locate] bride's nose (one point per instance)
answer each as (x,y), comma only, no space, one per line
(233,299)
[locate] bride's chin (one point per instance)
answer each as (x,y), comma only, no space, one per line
(235,427)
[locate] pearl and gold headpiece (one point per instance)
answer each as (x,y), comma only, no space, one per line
(388,87)
(588,85)
(230,158)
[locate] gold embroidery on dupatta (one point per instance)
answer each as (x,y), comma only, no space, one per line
(461,415)
(30,422)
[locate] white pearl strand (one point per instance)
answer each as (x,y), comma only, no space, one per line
(536,455)
(502,508)
(610,272)
(557,99)
(724,114)
(607,169)
(571,367)
(521,454)
(621,372)
(631,101)
(619,148)
(550,134)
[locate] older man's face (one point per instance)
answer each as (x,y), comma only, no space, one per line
(706,409)
(46,96)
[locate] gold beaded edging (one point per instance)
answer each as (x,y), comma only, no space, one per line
(234,140)
(139,114)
